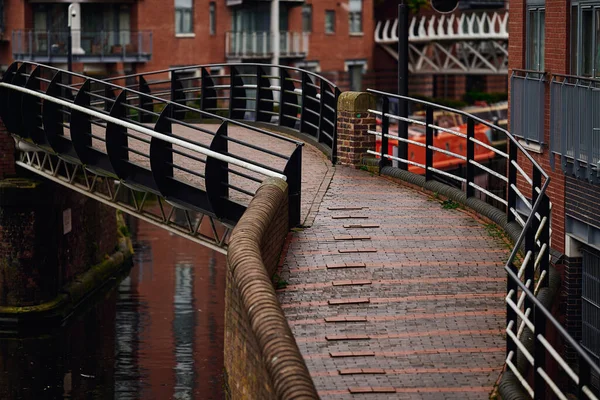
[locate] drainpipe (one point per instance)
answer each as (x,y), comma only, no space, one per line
(275,42)
(275,31)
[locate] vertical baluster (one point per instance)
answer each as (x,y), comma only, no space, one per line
(428,143)
(385,129)
(512,180)
(470,191)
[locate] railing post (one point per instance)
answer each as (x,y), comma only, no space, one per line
(512,180)
(511,315)
(208,92)
(470,191)
(428,143)
(303,100)
(334,150)
(385,130)
(293,172)
(140,44)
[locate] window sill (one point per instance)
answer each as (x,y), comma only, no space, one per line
(357,34)
(185,35)
(531,146)
(330,33)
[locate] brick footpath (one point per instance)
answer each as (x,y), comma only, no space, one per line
(397,298)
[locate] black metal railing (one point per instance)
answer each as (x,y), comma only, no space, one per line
(527,95)
(534,336)
(575,124)
(109,142)
(101,46)
(286,97)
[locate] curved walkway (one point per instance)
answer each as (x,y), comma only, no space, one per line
(392,296)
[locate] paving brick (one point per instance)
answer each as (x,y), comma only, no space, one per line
(435,284)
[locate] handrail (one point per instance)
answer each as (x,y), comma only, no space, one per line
(197,66)
(148,132)
(150,96)
(117,110)
(466,114)
(302,102)
(528,275)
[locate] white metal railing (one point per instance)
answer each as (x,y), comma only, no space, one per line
(260,44)
(486,25)
(147,131)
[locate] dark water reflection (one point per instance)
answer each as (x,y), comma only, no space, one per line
(158,334)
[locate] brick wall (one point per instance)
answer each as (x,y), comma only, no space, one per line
(556,61)
(262,359)
(7,153)
(353,122)
(582,200)
(36,257)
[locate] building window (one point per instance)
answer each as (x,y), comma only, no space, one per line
(356,70)
(536,17)
(585,39)
(590,302)
(183,17)
(212,18)
(307,18)
(329,21)
(355,16)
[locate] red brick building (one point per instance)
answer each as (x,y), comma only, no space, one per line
(554,60)
(327,36)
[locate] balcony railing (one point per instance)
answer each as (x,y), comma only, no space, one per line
(104,46)
(260,44)
(575,124)
(527,94)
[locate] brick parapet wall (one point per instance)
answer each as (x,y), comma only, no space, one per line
(262,359)
(354,121)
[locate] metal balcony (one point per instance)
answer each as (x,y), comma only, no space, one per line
(258,45)
(89,47)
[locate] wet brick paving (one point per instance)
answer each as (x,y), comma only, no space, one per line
(418,315)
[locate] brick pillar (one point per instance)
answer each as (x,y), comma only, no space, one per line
(354,120)
(7,154)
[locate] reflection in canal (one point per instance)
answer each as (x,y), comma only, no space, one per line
(158,334)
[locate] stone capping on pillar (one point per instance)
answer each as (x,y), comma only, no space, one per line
(262,359)
(354,121)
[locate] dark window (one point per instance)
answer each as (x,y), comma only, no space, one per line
(536,17)
(307,18)
(329,21)
(355,16)
(212,18)
(184,16)
(585,39)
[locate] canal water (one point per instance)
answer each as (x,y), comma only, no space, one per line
(156,334)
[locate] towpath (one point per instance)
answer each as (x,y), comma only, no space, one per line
(389,294)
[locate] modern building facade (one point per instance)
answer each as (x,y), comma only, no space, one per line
(331,37)
(554,94)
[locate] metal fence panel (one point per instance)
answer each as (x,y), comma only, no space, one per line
(574,124)
(527,105)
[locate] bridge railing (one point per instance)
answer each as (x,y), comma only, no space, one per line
(290,98)
(453,147)
(140,139)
